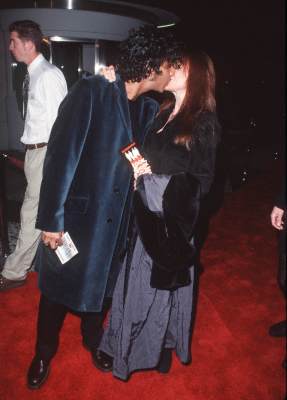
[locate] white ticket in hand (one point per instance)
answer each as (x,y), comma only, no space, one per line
(68,249)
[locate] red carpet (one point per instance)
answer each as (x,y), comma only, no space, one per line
(234,358)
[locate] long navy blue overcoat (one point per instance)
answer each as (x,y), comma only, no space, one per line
(86,188)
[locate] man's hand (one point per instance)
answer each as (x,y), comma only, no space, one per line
(108,73)
(52,239)
(277,218)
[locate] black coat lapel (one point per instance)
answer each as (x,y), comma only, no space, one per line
(123,106)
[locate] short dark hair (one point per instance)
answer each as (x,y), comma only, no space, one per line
(28,30)
(144,51)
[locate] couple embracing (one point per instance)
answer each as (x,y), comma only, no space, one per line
(133,226)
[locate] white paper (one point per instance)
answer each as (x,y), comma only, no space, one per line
(68,249)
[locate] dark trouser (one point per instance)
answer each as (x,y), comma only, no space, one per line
(282,260)
(50,320)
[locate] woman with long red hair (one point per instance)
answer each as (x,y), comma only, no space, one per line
(154,295)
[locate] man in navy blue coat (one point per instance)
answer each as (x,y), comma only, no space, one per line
(87,189)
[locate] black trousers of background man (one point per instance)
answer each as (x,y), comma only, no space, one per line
(282,260)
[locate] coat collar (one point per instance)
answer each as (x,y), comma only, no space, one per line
(123,105)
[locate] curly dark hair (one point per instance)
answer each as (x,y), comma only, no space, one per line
(144,51)
(28,30)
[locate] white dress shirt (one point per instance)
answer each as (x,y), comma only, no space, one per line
(47,89)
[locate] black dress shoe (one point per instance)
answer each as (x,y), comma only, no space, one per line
(278,330)
(165,361)
(38,373)
(102,360)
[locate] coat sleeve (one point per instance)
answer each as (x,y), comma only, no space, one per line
(206,136)
(63,154)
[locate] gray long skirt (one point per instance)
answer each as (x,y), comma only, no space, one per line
(144,320)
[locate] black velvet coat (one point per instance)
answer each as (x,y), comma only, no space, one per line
(167,238)
(86,188)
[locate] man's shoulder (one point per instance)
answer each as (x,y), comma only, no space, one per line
(149,103)
(95,80)
(93,84)
(50,69)
(47,65)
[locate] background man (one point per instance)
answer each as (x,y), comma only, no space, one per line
(278,217)
(44,89)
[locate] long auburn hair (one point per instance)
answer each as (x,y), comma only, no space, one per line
(199,97)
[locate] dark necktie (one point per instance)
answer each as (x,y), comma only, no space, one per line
(25,94)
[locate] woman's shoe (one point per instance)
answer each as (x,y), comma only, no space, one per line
(165,360)
(102,360)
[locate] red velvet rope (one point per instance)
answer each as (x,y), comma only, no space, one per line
(15,161)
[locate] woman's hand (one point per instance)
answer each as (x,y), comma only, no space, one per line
(139,164)
(108,73)
(141,168)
